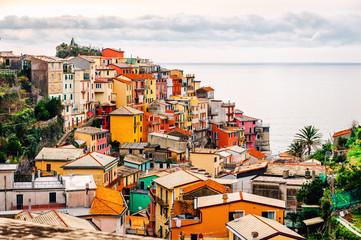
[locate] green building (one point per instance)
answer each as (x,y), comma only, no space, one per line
(139,196)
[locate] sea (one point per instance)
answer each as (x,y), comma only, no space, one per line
(288,96)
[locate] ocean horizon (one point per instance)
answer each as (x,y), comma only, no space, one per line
(287,95)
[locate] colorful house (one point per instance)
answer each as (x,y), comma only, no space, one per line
(102,167)
(226,207)
(223,136)
(49,159)
(255,156)
(137,161)
(207,159)
(112,53)
(126,125)
(205,188)
(252,226)
(95,139)
(127,179)
(168,189)
(123,92)
(151,123)
(104,86)
(249,125)
(108,210)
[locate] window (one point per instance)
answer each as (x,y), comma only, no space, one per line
(142,185)
(166,197)
(269,214)
(71,96)
(67,108)
(236,214)
(161,193)
(64,96)
(70,85)
(135,131)
(52,197)
(215,159)
(66,86)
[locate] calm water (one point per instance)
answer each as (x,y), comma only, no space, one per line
(287,96)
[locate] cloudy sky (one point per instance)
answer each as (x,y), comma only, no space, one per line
(190,30)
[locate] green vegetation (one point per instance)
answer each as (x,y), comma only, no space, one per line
(297,149)
(311,193)
(349,177)
(48,108)
(73,50)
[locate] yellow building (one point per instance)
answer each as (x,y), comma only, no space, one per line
(207,159)
(126,125)
(122,88)
(102,167)
(150,93)
(95,138)
(167,190)
(50,159)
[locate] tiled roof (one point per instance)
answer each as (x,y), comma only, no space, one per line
(265,228)
(277,169)
(251,167)
(55,218)
(17,229)
(181,131)
(343,132)
(107,202)
(124,171)
(208,89)
(92,160)
(256,154)
(209,201)
(245,118)
(125,111)
(91,130)
(135,76)
(123,80)
(208,183)
(134,145)
(178,178)
(237,149)
(59,154)
(135,159)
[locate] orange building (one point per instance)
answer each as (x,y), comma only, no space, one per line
(151,123)
(113,53)
(213,212)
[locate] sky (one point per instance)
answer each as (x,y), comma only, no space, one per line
(189,30)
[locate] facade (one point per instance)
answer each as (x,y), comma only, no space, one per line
(207,159)
(205,92)
(104,86)
(112,53)
(126,125)
(49,160)
(249,125)
(96,139)
(255,156)
(262,137)
(127,179)
(47,76)
(123,92)
(226,207)
(136,161)
(223,136)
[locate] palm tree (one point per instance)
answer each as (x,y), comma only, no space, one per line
(297,149)
(310,137)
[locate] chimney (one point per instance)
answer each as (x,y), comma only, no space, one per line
(225,197)
(313,174)
(254,235)
(286,173)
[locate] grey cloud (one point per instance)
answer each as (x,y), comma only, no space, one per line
(301,29)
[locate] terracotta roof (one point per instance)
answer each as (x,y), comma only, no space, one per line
(147,114)
(208,89)
(135,76)
(123,80)
(107,202)
(127,111)
(250,167)
(102,80)
(209,183)
(343,132)
(265,228)
(256,154)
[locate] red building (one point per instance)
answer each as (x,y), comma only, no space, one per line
(161,90)
(249,125)
(223,136)
(112,53)
(177,85)
(103,115)
(151,123)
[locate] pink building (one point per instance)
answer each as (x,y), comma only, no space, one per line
(249,125)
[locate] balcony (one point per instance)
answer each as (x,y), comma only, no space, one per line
(99,90)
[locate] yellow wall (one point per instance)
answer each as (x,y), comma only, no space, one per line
(88,140)
(206,161)
(122,92)
(55,165)
(122,128)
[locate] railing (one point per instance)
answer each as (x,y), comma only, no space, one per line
(18,177)
(346,199)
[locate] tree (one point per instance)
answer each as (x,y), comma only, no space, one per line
(296,149)
(349,178)
(310,137)
(311,193)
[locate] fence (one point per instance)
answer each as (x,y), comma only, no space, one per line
(346,199)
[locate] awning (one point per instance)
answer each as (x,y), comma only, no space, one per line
(313,221)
